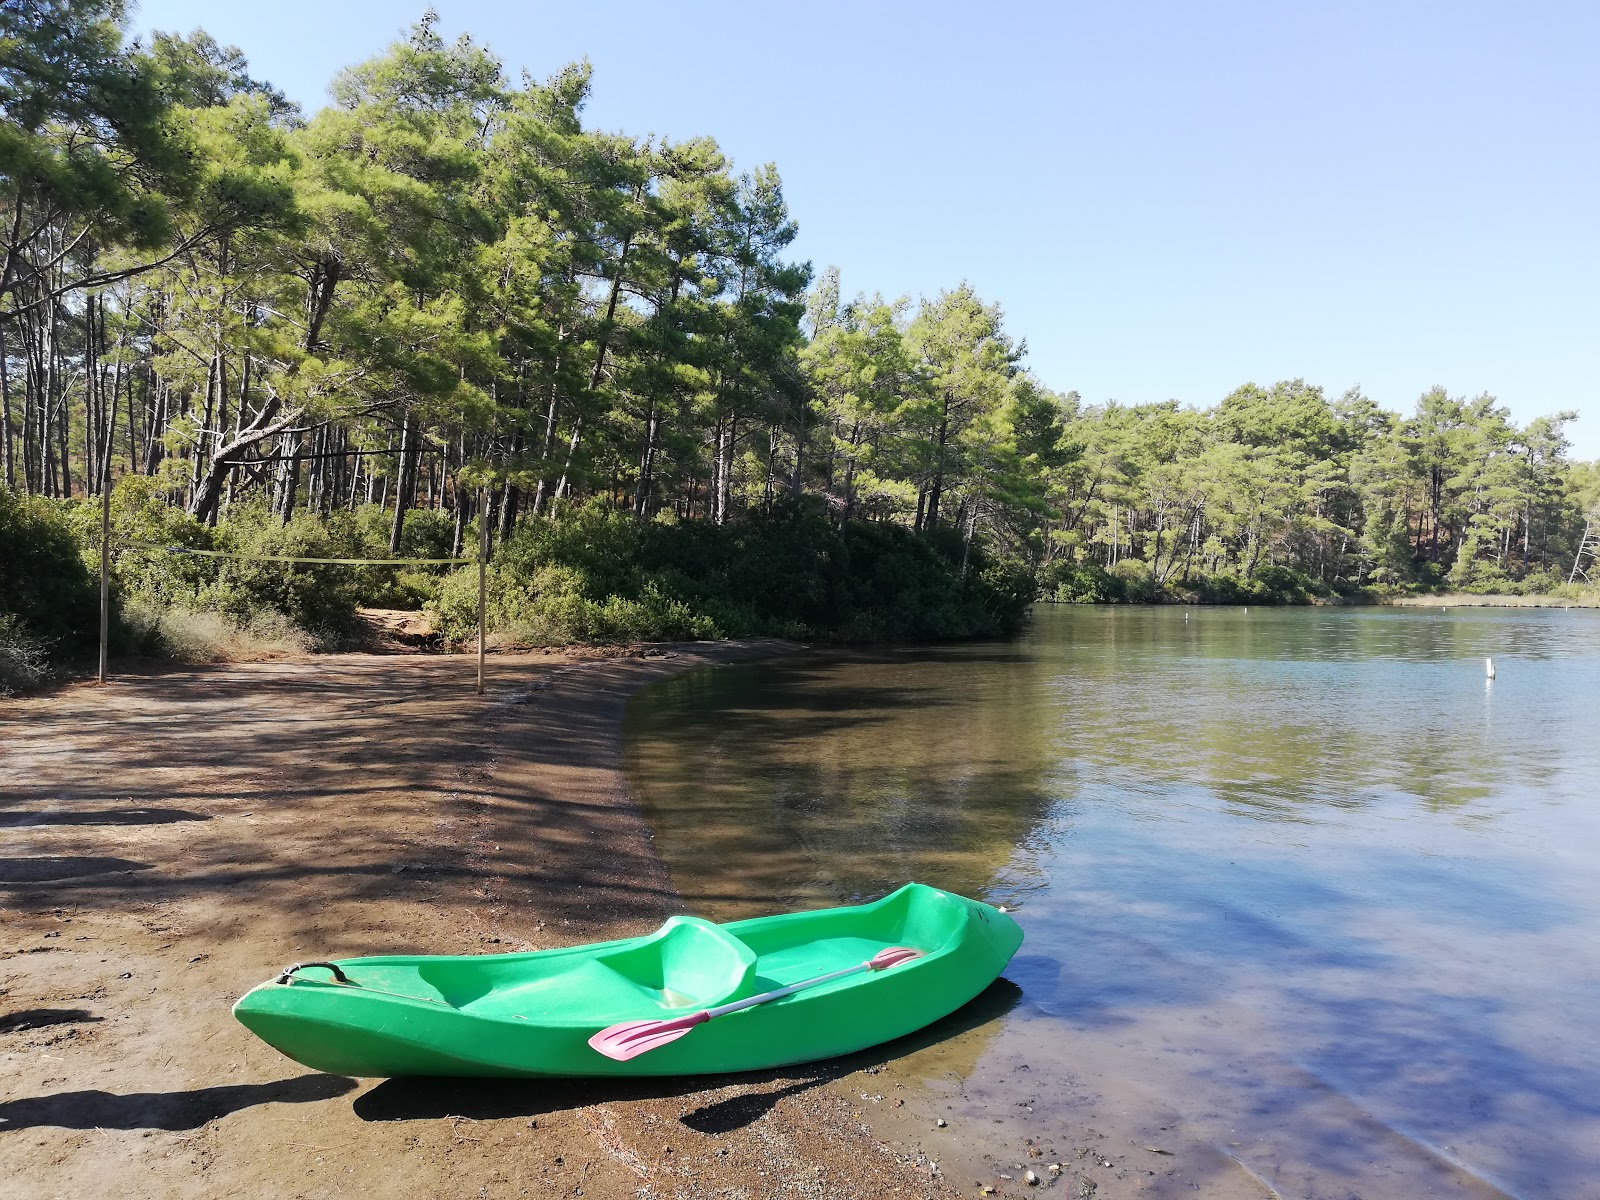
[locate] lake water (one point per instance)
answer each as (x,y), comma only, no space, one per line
(1307,898)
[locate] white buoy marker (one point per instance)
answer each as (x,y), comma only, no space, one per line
(1488,668)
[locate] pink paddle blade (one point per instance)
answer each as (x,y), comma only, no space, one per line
(892,957)
(633,1038)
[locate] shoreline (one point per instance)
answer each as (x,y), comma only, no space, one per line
(1472,600)
(181,833)
(1423,600)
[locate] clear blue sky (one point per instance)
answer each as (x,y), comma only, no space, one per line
(1168,199)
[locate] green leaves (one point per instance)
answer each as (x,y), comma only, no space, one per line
(444,286)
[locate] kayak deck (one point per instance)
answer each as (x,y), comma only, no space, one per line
(531,1013)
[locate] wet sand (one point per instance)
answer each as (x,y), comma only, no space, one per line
(176,837)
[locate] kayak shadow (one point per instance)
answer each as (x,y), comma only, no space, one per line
(437,1098)
(174,1111)
(44,1018)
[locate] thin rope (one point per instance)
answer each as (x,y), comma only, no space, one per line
(287,558)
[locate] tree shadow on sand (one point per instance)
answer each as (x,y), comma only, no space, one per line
(162,1110)
(59,869)
(100,816)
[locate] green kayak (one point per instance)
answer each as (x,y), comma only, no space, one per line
(535,1014)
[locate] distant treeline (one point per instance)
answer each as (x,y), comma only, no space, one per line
(1320,495)
(441,294)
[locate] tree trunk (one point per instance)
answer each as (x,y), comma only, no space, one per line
(850,473)
(598,369)
(547,449)
(566,469)
(202,438)
(966,544)
(269,421)
(91,401)
(405,480)
(508,509)
(725,439)
(62,411)
(937,490)
(647,458)
(8,469)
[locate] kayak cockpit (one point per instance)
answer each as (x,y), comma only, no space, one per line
(798,946)
(686,963)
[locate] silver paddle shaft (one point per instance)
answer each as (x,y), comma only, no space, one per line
(780,993)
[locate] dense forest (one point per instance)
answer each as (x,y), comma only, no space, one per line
(441,302)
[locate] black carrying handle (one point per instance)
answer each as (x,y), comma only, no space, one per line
(338,975)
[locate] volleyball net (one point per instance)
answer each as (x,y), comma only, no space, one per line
(481,559)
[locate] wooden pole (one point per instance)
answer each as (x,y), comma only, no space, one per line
(483,572)
(105,569)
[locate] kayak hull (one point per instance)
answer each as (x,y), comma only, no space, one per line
(531,1015)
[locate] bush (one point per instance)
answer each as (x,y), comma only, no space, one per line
(1080,583)
(319,599)
(1130,581)
(24,661)
(1273,584)
(1138,584)
(45,585)
(601,575)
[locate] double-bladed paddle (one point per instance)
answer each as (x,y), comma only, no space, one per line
(633,1038)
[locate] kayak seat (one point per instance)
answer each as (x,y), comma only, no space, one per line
(688,963)
(806,960)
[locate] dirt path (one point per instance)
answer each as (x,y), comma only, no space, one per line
(173,838)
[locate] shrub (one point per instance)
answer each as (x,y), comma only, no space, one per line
(45,585)
(1080,583)
(1273,584)
(320,599)
(1138,584)
(24,661)
(601,575)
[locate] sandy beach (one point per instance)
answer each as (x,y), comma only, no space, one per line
(177,836)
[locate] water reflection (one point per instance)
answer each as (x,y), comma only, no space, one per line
(847,776)
(1298,886)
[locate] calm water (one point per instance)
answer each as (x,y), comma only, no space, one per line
(1299,886)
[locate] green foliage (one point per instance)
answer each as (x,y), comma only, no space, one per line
(595,344)
(1343,496)
(1132,582)
(320,600)
(599,575)
(46,590)
(24,657)
(1066,582)
(88,130)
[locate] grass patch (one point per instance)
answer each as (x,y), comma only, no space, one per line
(199,636)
